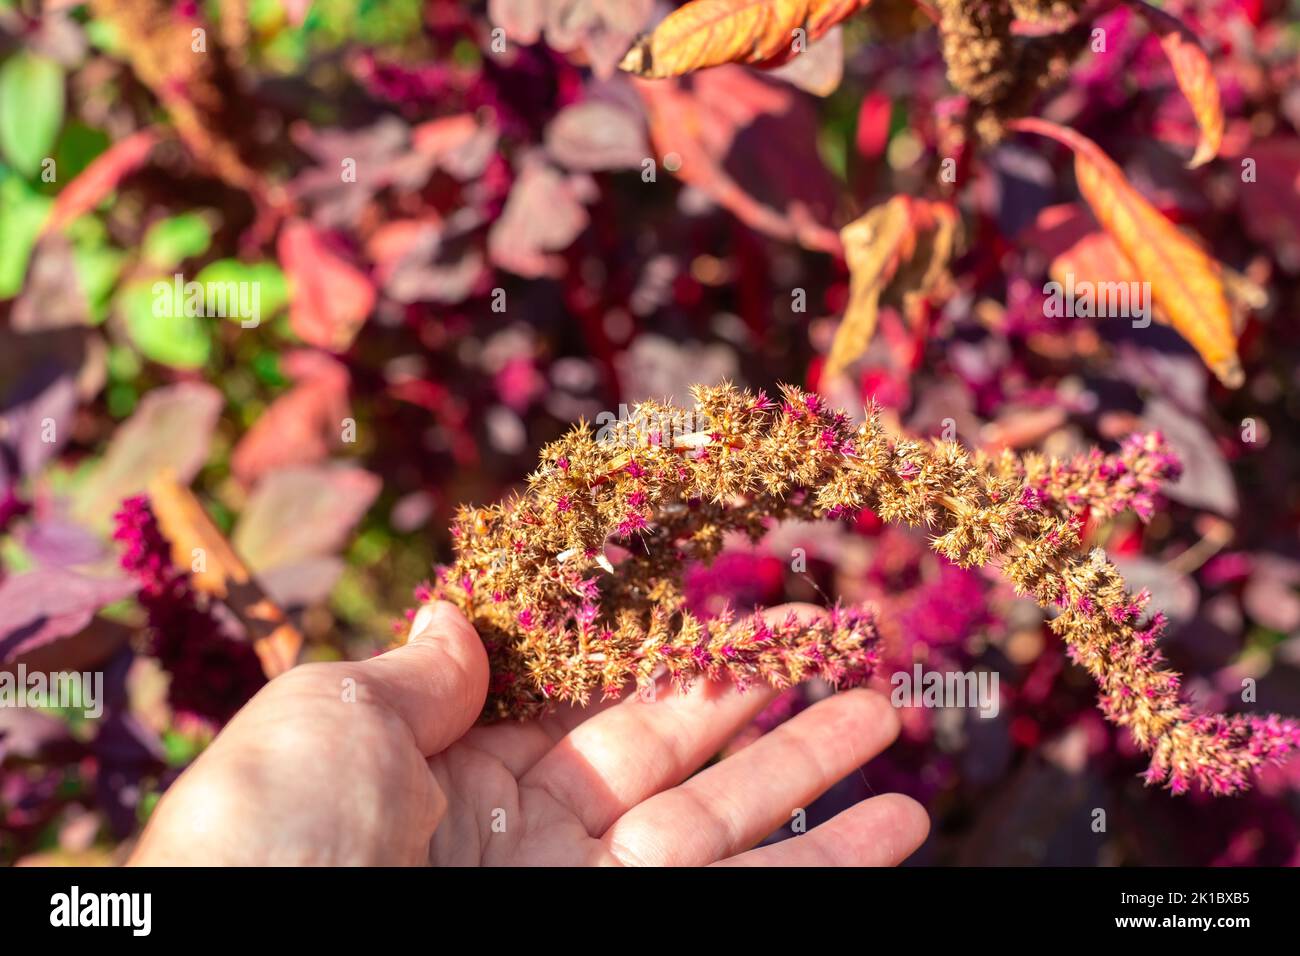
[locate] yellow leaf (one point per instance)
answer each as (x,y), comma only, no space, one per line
(707,33)
(1195,78)
(874,245)
(1185,283)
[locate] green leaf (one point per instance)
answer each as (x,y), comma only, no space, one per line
(77,147)
(31,110)
(170,242)
(97,270)
(22,213)
(159,326)
(264,277)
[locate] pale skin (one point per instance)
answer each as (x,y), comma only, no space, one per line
(379,762)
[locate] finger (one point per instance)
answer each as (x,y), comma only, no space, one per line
(609,764)
(633,750)
(732,805)
(437,681)
(882,831)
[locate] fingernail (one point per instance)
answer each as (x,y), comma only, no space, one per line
(422,627)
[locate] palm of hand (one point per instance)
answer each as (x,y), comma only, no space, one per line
(581,789)
(327,765)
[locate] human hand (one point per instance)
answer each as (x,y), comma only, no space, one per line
(379,762)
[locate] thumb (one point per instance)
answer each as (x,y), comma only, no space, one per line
(437,681)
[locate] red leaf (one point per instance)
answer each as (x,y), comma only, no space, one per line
(331,298)
(100,178)
(714,125)
(300,426)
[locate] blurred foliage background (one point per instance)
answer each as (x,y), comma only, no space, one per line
(465,229)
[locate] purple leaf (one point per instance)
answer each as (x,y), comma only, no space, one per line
(594,135)
(36,415)
(1206,481)
(1270,596)
(543,215)
(56,542)
(47,604)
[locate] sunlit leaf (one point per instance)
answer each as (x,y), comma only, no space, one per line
(171,241)
(266,277)
(711,130)
(1185,283)
(299,513)
(706,33)
(300,426)
(21,213)
(221,572)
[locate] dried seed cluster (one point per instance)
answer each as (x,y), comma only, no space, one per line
(537,574)
(999,73)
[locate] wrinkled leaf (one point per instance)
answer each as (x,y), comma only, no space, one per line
(877,246)
(705,33)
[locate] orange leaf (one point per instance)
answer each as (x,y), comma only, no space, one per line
(1185,282)
(1195,78)
(221,573)
(707,33)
